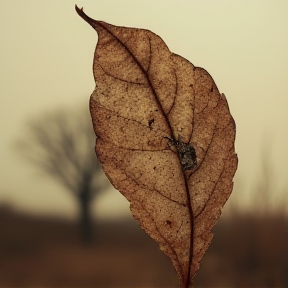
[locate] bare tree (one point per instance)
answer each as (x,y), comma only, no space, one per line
(62,145)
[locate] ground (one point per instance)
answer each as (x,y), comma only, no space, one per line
(47,252)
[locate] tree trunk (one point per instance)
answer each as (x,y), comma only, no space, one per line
(85,217)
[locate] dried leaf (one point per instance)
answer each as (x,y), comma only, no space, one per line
(165,138)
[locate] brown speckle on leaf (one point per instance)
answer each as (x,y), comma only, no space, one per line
(169,223)
(150,122)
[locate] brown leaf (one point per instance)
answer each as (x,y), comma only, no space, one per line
(165,138)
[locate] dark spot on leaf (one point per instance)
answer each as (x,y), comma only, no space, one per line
(186,152)
(150,122)
(168,222)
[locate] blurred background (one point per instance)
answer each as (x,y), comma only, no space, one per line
(61,222)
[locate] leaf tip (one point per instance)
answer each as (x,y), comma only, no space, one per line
(84,16)
(78,10)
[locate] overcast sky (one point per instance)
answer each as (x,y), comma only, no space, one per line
(46,58)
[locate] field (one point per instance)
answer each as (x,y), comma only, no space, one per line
(45,252)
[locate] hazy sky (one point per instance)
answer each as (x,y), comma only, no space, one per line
(46,57)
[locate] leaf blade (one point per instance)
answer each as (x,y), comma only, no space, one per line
(145,95)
